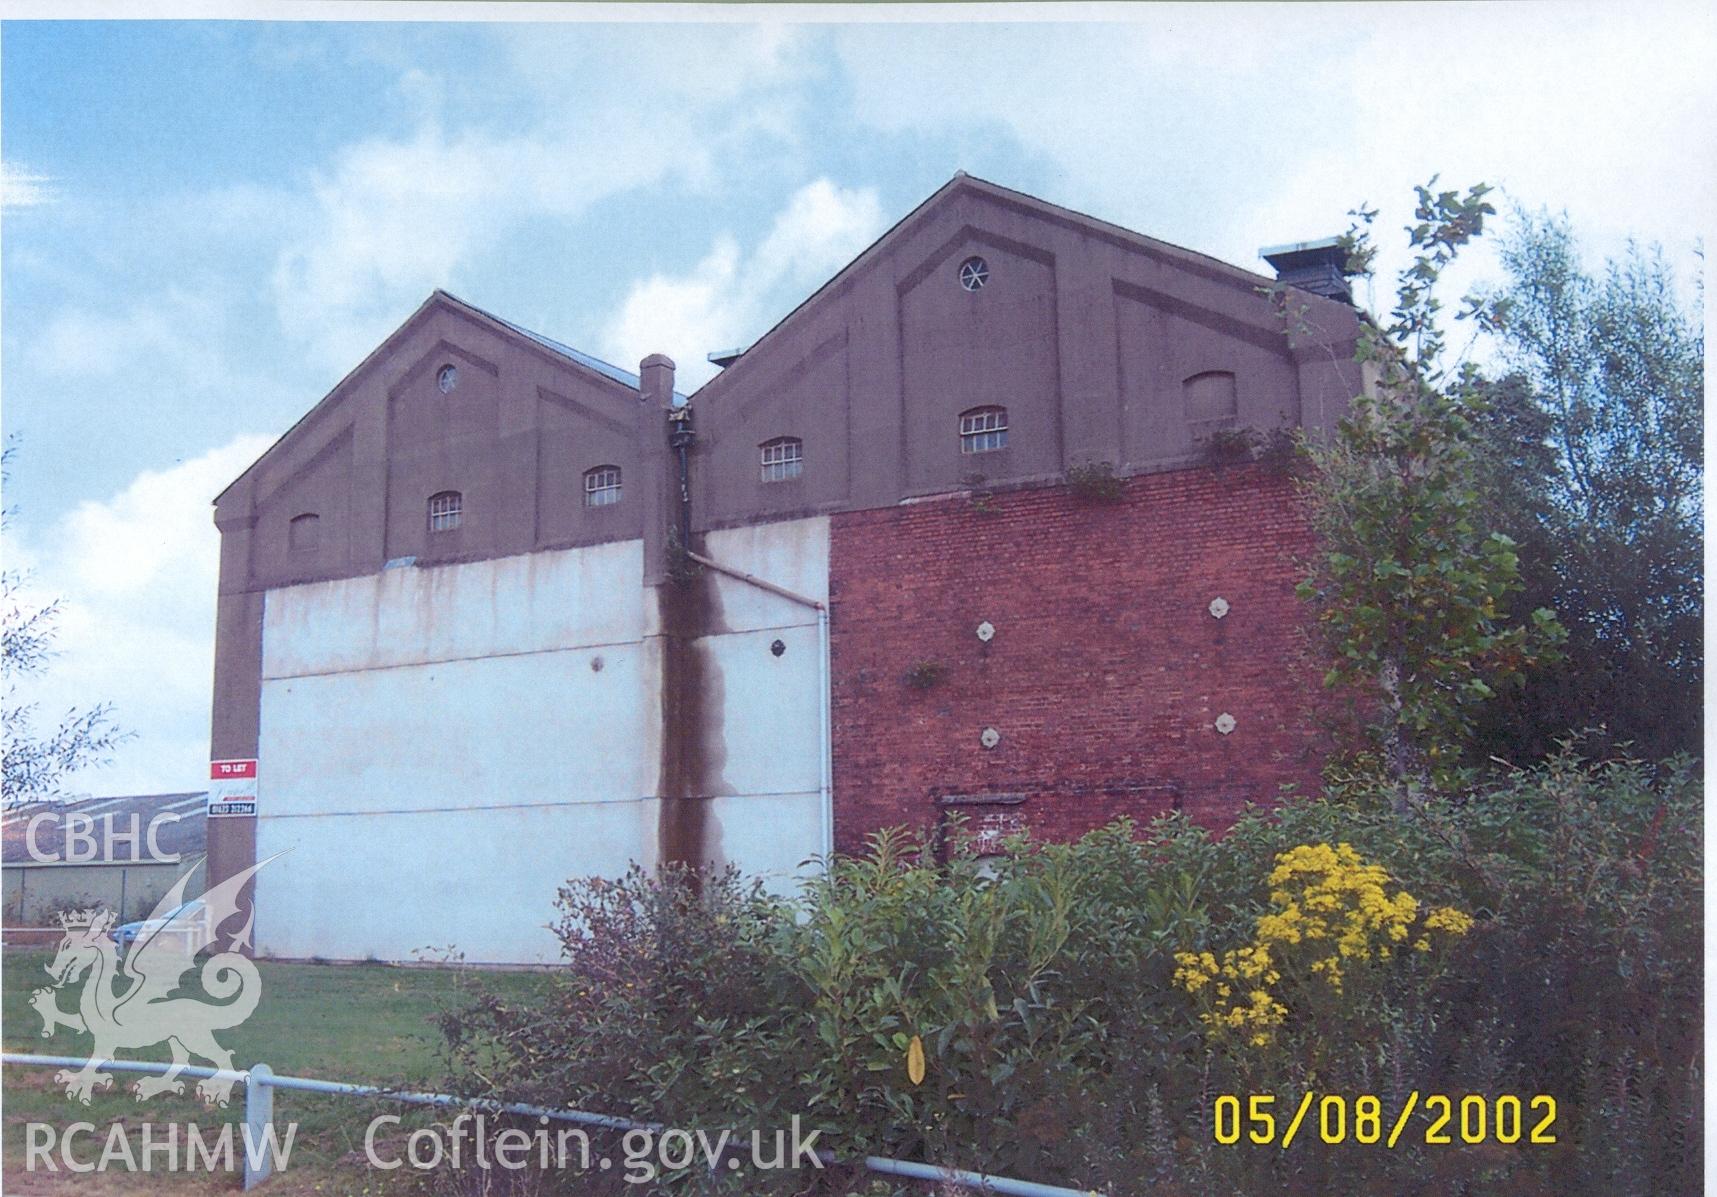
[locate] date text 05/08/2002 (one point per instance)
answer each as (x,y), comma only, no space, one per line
(1261,1120)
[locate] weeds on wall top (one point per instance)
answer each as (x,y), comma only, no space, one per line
(1094,482)
(925,675)
(682,566)
(1278,448)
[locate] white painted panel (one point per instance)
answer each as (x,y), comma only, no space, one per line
(584,596)
(793,554)
(773,837)
(535,728)
(439,755)
(770,723)
(480,882)
(771,717)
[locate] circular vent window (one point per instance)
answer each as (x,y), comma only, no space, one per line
(974,273)
(447,379)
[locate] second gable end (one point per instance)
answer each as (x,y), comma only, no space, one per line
(1090,339)
(454,402)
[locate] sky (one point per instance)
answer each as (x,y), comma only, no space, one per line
(206,223)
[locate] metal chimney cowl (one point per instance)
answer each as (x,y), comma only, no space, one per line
(1316,266)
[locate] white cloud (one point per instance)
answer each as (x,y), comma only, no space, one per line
(173,333)
(137,574)
(1226,127)
(730,298)
(391,218)
(22,188)
(387,224)
(704,64)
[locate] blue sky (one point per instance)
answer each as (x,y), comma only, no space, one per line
(207,223)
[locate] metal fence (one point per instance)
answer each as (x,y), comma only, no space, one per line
(260,1082)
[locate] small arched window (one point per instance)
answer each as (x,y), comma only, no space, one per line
(782,458)
(983,429)
(602,486)
(445,509)
(302,531)
(1210,396)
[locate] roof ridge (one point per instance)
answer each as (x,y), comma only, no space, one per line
(1187,258)
(588,360)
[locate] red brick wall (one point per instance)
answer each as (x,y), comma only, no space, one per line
(1107,671)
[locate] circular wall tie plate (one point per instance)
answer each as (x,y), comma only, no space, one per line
(1225,723)
(989,737)
(1219,607)
(986,631)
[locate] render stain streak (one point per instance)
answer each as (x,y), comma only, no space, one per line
(693,750)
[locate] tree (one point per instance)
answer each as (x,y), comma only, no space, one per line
(1608,513)
(34,765)
(1410,584)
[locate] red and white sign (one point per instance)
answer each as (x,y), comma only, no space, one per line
(232,788)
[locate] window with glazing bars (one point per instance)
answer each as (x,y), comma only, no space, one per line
(983,429)
(444,511)
(602,486)
(783,458)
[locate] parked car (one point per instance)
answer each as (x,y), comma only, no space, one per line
(186,919)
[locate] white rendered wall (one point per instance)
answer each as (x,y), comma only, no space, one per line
(770,819)
(439,753)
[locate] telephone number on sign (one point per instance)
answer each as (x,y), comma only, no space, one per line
(1336,1118)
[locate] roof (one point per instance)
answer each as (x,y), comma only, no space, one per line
(183,834)
(1294,247)
(1321,249)
(588,361)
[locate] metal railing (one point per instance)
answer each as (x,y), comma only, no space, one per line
(260,1082)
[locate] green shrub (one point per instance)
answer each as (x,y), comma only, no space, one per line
(925,675)
(1095,482)
(1058,1045)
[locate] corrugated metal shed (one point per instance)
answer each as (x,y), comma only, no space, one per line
(184,836)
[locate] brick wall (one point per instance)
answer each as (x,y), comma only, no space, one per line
(1106,673)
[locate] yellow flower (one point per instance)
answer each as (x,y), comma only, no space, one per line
(1447,918)
(1317,892)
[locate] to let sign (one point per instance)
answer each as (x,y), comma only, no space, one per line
(232,788)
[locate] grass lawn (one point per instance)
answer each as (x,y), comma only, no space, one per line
(367,1024)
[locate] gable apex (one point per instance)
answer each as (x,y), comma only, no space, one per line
(441,300)
(1200,265)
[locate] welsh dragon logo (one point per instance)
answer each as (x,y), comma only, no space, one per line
(143,1011)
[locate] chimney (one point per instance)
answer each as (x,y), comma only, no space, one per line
(1316,266)
(659,480)
(656,380)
